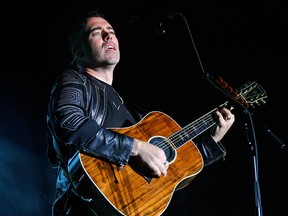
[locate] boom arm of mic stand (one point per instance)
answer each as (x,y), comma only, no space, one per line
(273,135)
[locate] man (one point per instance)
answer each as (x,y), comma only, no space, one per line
(84,105)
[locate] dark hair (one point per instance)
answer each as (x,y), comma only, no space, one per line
(78,29)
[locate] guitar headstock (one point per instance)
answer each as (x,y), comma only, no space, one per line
(252,94)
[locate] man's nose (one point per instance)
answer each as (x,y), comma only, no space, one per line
(106,35)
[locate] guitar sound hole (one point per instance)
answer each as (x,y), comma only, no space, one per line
(163,143)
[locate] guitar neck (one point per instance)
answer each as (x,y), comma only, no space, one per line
(194,129)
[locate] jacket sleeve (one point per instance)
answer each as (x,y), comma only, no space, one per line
(210,150)
(71,125)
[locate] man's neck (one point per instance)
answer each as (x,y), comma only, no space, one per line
(104,75)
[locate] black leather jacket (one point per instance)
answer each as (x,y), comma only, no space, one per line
(76,112)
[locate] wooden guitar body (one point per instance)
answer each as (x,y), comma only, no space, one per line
(127,191)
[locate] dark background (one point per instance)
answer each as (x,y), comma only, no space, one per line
(240,41)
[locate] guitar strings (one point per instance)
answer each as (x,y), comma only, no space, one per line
(195,126)
(202,124)
(207,120)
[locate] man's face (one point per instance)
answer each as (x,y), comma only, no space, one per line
(100,47)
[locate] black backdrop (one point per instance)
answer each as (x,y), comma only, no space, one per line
(241,41)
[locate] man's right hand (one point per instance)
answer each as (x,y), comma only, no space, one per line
(151,157)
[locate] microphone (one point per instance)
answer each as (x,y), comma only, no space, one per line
(175,14)
(135,18)
(155,21)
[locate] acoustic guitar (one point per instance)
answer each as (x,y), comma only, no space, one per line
(111,190)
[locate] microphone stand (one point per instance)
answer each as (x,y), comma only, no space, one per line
(253,147)
(249,126)
(249,130)
(252,142)
(251,139)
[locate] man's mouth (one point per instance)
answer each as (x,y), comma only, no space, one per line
(110,47)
